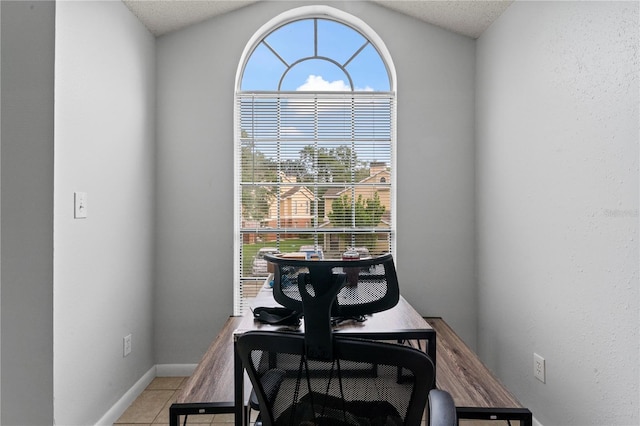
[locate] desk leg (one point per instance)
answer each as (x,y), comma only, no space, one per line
(173,416)
(431,351)
(238,384)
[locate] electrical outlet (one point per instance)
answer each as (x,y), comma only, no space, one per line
(127,345)
(538,367)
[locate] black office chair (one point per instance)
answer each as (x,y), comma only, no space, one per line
(375,278)
(358,385)
(329,291)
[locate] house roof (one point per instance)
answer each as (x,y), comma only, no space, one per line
(290,192)
(336,192)
(373,176)
(333,192)
(294,190)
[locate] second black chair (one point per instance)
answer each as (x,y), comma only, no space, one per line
(358,386)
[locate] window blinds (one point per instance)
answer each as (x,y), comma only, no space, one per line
(314,167)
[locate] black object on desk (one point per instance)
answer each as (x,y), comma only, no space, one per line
(277,316)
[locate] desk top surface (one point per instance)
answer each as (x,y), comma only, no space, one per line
(212,380)
(402,317)
(460,372)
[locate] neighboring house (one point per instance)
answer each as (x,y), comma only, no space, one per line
(296,207)
(296,203)
(379,180)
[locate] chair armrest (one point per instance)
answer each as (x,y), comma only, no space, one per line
(442,410)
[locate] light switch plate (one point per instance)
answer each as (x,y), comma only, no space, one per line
(539,368)
(127,345)
(80,205)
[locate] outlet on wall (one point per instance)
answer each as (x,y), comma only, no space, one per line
(127,344)
(538,367)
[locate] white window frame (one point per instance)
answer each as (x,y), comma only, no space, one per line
(307,12)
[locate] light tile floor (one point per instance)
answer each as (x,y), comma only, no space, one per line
(152,408)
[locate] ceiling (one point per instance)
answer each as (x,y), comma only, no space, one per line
(467,17)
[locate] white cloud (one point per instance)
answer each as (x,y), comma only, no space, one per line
(316,83)
(290,131)
(304,105)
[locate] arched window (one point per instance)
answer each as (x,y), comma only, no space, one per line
(315,125)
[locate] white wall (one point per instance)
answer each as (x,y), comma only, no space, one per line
(196,75)
(104,145)
(557,191)
(27,110)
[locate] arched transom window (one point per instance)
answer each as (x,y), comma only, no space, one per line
(315,137)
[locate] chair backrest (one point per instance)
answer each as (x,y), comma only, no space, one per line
(321,289)
(365,286)
(364,383)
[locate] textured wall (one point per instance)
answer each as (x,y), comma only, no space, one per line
(104,145)
(558,123)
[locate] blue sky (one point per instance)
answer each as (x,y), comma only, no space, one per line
(295,42)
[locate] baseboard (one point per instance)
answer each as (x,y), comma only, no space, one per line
(127,399)
(175,370)
(159,370)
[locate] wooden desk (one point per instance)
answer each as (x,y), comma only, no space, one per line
(400,323)
(209,390)
(477,393)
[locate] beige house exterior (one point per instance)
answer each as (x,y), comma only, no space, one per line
(296,204)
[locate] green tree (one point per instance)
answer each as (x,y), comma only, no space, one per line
(261,171)
(294,167)
(331,165)
(364,213)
